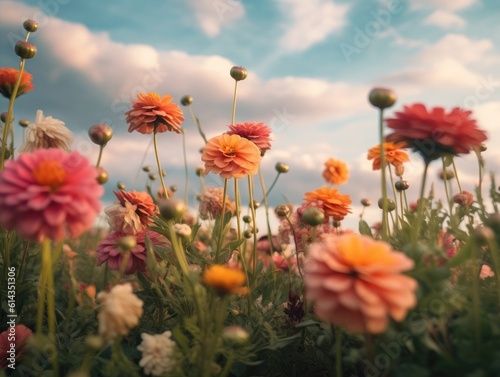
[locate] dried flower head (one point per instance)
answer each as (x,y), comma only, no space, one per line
(231,156)
(8,78)
(211,203)
(356,282)
(47,132)
(150,112)
(157,353)
(120,311)
(335,172)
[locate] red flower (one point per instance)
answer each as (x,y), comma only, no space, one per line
(20,335)
(258,133)
(435,132)
(8,77)
(150,112)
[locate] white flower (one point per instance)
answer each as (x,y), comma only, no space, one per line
(124,218)
(157,353)
(182,230)
(120,311)
(47,132)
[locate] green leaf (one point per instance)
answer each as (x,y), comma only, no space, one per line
(364,228)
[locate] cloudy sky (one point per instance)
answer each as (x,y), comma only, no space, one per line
(311,66)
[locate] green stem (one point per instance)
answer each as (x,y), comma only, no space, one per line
(476,300)
(266,206)
(155,143)
(420,211)
(101,148)
(198,125)
(10,112)
(446,188)
(480,162)
(178,249)
(185,166)
(384,231)
(395,197)
(222,218)
(233,114)
(273,184)
(456,175)
(254,224)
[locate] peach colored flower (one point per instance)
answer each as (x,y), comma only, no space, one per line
(132,213)
(333,203)
(336,172)
(486,272)
(211,203)
(18,335)
(49,193)
(231,156)
(150,112)
(435,132)
(258,133)
(394,155)
(8,78)
(356,282)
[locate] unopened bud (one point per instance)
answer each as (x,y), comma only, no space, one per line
(282,210)
(313,216)
(382,97)
(186,100)
(172,208)
(281,167)
(25,50)
(30,26)
(100,134)
(238,73)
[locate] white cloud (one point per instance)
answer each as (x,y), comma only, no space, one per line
(445,20)
(213,15)
(310,22)
(450,5)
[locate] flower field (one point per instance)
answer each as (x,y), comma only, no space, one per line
(166,288)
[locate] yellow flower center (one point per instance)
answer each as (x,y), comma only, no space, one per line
(50,173)
(227,151)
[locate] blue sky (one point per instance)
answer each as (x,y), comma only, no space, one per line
(311,65)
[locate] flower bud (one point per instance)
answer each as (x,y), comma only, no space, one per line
(102,175)
(186,100)
(3,116)
(25,50)
(313,216)
(390,205)
(282,167)
(200,171)
(172,208)
(238,73)
(120,186)
(446,175)
(235,336)
(153,176)
(482,147)
(282,210)
(126,243)
(382,97)
(402,185)
(247,219)
(100,134)
(366,202)
(337,224)
(173,188)
(30,26)
(146,169)
(255,204)
(94,342)
(24,123)
(247,234)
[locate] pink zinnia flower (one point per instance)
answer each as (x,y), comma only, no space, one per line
(356,282)
(211,203)
(109,251)
(150,112)
(258,133)
(464,198)
(435,132)
(132,212)
(49,193)
(21,334)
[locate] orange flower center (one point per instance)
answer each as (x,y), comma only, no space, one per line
(227,151)
(50,173)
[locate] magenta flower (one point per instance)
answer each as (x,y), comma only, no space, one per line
(49,193)
(109,251)
(258,133)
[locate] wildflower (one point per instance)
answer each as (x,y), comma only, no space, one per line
(151,113)
(393,155)
(111,251)
(49,193)
(486,272)
(211,203)
(132,212)
(225,280)
(8,78)
(157,353)
(47,132)
(435,132)
(464,198)
(258,133)
(182,230)
(333,203)
(120,311)
(356,282)
(19,336)
(231,156)
(336,172)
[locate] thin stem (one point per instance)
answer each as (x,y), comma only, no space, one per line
(101,148)
(384,230)
(142,162)
(198,125)
(10,112)
(420,205)
(238,210)
(394,193)
(155,143)
(254,224)
(480,162)
(266,206)
(446,188)
(456,175)
(185,166)
(273,184)
(178,249)
(223,216)
(233,114)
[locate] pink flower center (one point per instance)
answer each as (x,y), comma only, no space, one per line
(50,173)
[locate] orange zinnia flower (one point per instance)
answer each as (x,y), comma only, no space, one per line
(336,172)
(356,282)
(231,156)
(333,203)
(8,77)
(225,280)
(150,112)
(393,155)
